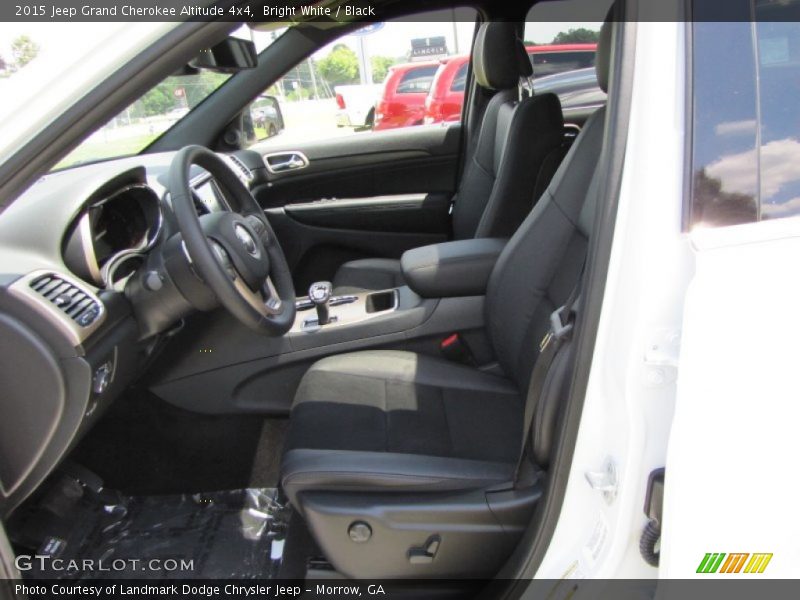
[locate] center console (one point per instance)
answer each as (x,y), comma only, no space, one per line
(239,371)
(342,310)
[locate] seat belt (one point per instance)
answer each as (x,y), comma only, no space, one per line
(562,322)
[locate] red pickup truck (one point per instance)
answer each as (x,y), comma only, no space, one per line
(446,95)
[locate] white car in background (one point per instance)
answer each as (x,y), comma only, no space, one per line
(356,104)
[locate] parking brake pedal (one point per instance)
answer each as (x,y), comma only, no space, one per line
(425,554)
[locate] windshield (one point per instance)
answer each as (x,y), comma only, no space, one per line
(136,127)
(133,129)
(32,50)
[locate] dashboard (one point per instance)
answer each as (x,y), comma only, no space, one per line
(92,281)
(105,242)
(208,196)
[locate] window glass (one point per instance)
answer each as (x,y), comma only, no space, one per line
(136,127)
(550,63)
(724,151)
(563,23)
(417,80)
(746,127)
(348,87)
(460,80)
(778,51)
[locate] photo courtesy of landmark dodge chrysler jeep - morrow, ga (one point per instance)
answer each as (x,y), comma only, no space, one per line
(533,342)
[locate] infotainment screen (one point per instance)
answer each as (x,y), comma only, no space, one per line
(210,195)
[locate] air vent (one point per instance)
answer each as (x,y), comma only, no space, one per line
(244,173)
(67,297)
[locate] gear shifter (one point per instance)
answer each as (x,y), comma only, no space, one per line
(320,293)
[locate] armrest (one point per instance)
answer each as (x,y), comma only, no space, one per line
(459,268)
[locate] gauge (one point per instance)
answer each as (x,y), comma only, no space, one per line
(126,222)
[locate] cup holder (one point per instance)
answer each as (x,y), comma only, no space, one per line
(381,301)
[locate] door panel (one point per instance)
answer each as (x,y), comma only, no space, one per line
(367,195)
(406,161)
(402,213)
(734,445)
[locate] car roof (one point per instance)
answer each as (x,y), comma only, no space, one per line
(414,65)
(561,48)
(462,58)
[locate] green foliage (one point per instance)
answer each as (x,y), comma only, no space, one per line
(380,67)
(340,67)
(161,99)
(577,36)
(24,50)
(198,87)
(303,81)
(157,101)
(299,94)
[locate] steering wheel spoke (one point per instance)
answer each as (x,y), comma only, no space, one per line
(224,259)
(272,299)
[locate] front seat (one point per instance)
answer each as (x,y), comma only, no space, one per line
(401,464)
(514,137)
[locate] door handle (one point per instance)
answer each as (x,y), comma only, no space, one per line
(280,162)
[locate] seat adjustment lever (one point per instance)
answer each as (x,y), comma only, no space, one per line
(424,554)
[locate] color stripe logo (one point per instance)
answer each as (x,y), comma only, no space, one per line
(739,562)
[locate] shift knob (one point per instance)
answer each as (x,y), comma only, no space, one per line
(319,293)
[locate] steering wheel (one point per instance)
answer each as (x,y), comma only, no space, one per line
(235,253)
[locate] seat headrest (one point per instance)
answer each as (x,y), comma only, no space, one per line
(499,56)
(603,58)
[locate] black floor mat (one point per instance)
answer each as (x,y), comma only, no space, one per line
(144,446)
(233,534)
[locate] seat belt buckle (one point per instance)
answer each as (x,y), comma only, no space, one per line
(455,349)
(561,324)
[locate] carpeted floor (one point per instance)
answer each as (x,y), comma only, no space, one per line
(144,446)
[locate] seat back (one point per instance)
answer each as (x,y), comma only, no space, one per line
(543,260)
(492,199)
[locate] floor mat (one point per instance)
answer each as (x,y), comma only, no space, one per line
(232,534)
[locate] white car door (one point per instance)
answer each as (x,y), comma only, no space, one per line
(731,482)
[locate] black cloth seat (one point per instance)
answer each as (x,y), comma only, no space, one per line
(514,137)
(405,430)
(388,419)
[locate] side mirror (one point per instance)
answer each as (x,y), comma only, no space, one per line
(267,118)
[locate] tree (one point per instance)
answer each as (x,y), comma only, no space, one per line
(197,87)
(380,67)
(24,50)
(577,36)
(157,101)
(340,66)
(710,204)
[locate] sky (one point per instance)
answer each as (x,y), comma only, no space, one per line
(55,37)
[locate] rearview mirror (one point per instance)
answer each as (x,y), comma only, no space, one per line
(229,56)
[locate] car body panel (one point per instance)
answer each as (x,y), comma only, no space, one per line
(446,96)
(355,103)
(402,102)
